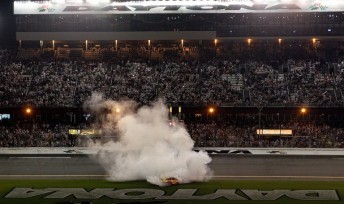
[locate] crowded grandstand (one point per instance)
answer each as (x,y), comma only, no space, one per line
(256,69)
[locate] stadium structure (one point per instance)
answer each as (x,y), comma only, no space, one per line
(88,23)
(185,31)
(243,77)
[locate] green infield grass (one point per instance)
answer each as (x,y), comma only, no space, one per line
(215,191)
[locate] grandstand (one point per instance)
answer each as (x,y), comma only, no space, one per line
(257,63)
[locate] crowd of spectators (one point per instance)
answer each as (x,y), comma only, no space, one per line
(205,134)
(305,135)
(44,135)
(220,82)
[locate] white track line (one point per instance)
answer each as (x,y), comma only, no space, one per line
(40,157)
(216,177)
(295,177)
(26,175)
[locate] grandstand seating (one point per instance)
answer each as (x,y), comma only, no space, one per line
(47,54)
(241,63)
(218,82)
(92,55)
(28,53)
(75,53)
(62,53)
(67,77)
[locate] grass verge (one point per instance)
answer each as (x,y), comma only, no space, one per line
(298,189)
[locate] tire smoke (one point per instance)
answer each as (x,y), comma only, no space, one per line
(146,145)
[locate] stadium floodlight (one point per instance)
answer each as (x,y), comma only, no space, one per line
(206,7)
(118,110)
(303,110)
(249,41)
(314,40)
(211,110)
(28,111)
(279,41)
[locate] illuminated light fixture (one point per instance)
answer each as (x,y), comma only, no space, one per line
(215,41)
(28,110)
(179,109)
(303,110)
(207,7)
(249,41)
(182,42)
(149,43)
(211,110)
(171,109)
(279,40)
(118,110)
(314,40)
(82,8)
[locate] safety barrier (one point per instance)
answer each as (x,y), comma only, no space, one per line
(209,150)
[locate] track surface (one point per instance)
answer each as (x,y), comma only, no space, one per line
(225,166)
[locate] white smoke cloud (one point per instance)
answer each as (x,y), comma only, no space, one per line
(146,146)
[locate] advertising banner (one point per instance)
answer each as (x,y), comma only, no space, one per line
(84,132)
(269,132)
(175,7)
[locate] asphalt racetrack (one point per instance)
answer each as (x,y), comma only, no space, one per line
(251,167)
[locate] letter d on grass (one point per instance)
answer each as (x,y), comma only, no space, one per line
(313,195)
(294,194)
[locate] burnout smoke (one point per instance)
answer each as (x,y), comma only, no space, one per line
(146,145)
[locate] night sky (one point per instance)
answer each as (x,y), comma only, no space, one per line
(7,24)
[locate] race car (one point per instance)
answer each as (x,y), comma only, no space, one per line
(170,181)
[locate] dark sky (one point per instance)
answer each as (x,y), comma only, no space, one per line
(7,24)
